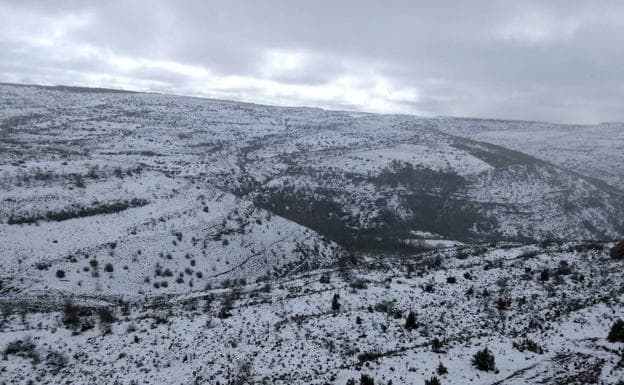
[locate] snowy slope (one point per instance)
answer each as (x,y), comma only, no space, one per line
(159,239)
(552,330)
(592,150)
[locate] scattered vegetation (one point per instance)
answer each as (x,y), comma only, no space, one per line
(484,360)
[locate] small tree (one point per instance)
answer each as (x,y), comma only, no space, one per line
(432,381)
(617,332)
(436,345)
(411,323)
(106,319)
(335,303)
(71,316)
(441,369)
(484,360)
(365,379)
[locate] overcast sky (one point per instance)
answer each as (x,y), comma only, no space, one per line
(560,61)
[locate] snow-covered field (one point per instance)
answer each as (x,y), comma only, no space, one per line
(540,329)
(158,239)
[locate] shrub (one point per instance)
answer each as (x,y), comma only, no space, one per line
(365,379)
(441,369)
(617,332)
(432,381)
(436,345)
(544,275)
(369,356)
(451,280)
(358,283)
(60,274)
(335,303)
(23,348)
(411,323)
(106,319)
(528,344)
(79,181)
(108,268)
(432,263)
(106,315)
(324,278)
(502,304)
(388,308)
(71,316)
(484,360)
(228,304)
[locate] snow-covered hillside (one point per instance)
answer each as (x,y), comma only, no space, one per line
(544,313)
(591,150)
(149,238)
(359,179)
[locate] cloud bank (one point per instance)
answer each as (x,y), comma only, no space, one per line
(558,61)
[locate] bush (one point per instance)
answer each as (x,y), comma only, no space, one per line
(617,332)
(484,360)
(411,323)
(227,305)
(358,283)
(441,369)
(432,381)
(335,303)
(528,344)
(108,268)
(324,278)
(365,379)
(60,274)
(436,345)
(451,280)
(106,315)
(502,304)
(118,172)
(23,348)
(71,316)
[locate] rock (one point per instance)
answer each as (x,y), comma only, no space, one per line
(617,251)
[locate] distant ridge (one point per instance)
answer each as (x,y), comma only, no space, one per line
(75,88)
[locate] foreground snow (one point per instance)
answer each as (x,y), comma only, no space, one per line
(285,331)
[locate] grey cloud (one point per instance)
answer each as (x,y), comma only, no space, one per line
(556,61)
